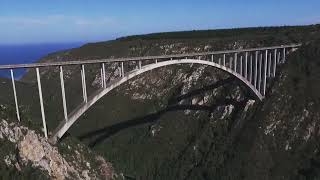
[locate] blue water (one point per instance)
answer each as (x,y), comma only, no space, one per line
(28,53)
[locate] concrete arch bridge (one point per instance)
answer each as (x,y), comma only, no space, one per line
(252,67)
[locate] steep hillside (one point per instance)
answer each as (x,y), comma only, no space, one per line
(26,154)
(281,140)
(192,121)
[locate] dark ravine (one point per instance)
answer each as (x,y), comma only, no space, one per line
(281,140)
(191,121)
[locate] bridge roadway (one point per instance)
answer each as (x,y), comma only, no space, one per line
(97,61)
(253,72)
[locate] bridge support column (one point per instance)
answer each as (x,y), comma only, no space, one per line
(212,58)
(122,70)
(256,70)
(15,94)
(235,62)
(140,64)
(260,72)
(250,69)
(219,60)
(241,66)
(269,64)
(156,61)
(265,72)
(230,63)
(284,55)
(246,66)
(224,60)
(274,63)
(41,104)
(63,94)
(84,86)
(103,76)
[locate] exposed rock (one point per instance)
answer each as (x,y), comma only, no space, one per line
(35,149)
(30,148)
(227,111)
(106,169)
(9,159)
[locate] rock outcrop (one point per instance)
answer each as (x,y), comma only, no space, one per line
(35,149)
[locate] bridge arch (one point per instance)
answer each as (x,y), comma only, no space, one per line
(64,126)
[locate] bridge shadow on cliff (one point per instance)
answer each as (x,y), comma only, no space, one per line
(98,136)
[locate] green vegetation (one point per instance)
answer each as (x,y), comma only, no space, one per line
(28,172)
(227,33)
(142,45)
(281,141)
(156,136)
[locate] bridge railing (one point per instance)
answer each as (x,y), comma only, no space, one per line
(255,65)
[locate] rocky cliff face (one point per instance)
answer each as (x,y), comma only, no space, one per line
(30,149)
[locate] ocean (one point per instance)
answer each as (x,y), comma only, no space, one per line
(28,53)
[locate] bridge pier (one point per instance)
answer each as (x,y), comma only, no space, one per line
(15,95)
(256,70)
(84,86)
(250,69)
(41,104)
(269,65)
(122,70)
(235,62)
(224,59)
(139,64)
(241,66)
(274,63)
(284,55)
(266,65)
(260,73)
(103,76)
(63,94)
(246,66)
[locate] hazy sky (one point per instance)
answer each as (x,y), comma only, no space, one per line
(39,21)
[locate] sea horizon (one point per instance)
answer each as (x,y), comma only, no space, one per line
(26,53)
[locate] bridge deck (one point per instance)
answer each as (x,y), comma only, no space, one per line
(94,61)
